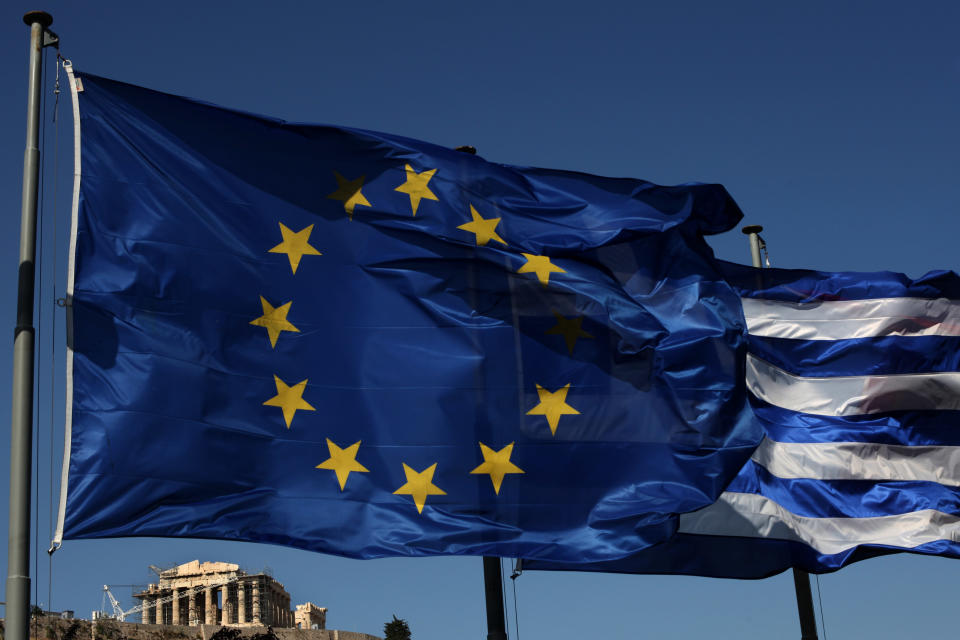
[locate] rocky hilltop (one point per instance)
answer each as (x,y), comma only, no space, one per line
(54,628)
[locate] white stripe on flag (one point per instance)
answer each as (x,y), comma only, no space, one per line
(852,395)
(860,461)
(843,319)
(748,515)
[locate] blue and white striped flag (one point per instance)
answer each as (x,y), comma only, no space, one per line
(856,380)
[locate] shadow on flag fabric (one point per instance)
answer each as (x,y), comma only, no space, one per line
(855,379)
(366,345)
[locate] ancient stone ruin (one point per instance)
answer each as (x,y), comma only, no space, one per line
(221,593)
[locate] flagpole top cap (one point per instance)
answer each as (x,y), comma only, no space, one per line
(752,228)
(44,18)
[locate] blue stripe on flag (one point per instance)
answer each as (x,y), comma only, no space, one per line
(902,427)
(814,498)
(860,357)
(804,285)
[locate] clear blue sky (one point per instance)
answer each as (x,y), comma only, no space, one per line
(833,124)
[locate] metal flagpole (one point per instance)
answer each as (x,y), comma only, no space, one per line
(493,588)
(753,232)
(808,624)
(21,424)
(492,575)
(801,579)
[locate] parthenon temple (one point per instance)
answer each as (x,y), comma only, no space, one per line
(221,593)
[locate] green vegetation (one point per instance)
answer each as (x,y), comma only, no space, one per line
(396,629)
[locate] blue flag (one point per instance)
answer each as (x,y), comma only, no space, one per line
(362,344)
(854,377)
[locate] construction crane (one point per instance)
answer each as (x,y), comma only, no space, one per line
(118,612)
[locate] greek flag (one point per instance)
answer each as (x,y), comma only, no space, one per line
(856,380)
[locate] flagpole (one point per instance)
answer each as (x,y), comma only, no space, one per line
(753,234)
(801,579)
(493,589)
(21,423)
(492,575)
(808,623)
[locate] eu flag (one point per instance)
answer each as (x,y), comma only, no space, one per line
(362,344)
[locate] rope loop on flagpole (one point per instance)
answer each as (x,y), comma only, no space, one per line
(41,202)
(53,321)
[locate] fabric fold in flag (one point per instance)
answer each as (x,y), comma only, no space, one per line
(854,378)
(363,344)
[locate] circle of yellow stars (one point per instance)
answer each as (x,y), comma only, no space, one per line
(419,485)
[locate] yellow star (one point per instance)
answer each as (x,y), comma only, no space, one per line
(274,320)
(295,245)
(541,266)
(553,404)
(416,187)
(497,464)
(289,399)
(569,328)
(419,484)
(485,230)
(343,461)
(349,193)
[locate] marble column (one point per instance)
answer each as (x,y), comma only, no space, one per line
(191,607)
(209,606)
(241,603)
(159,609)
(145,612)
(175,617)
(226,603)
(256,603)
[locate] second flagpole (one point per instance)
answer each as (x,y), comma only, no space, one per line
(492,575)
(801,579)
